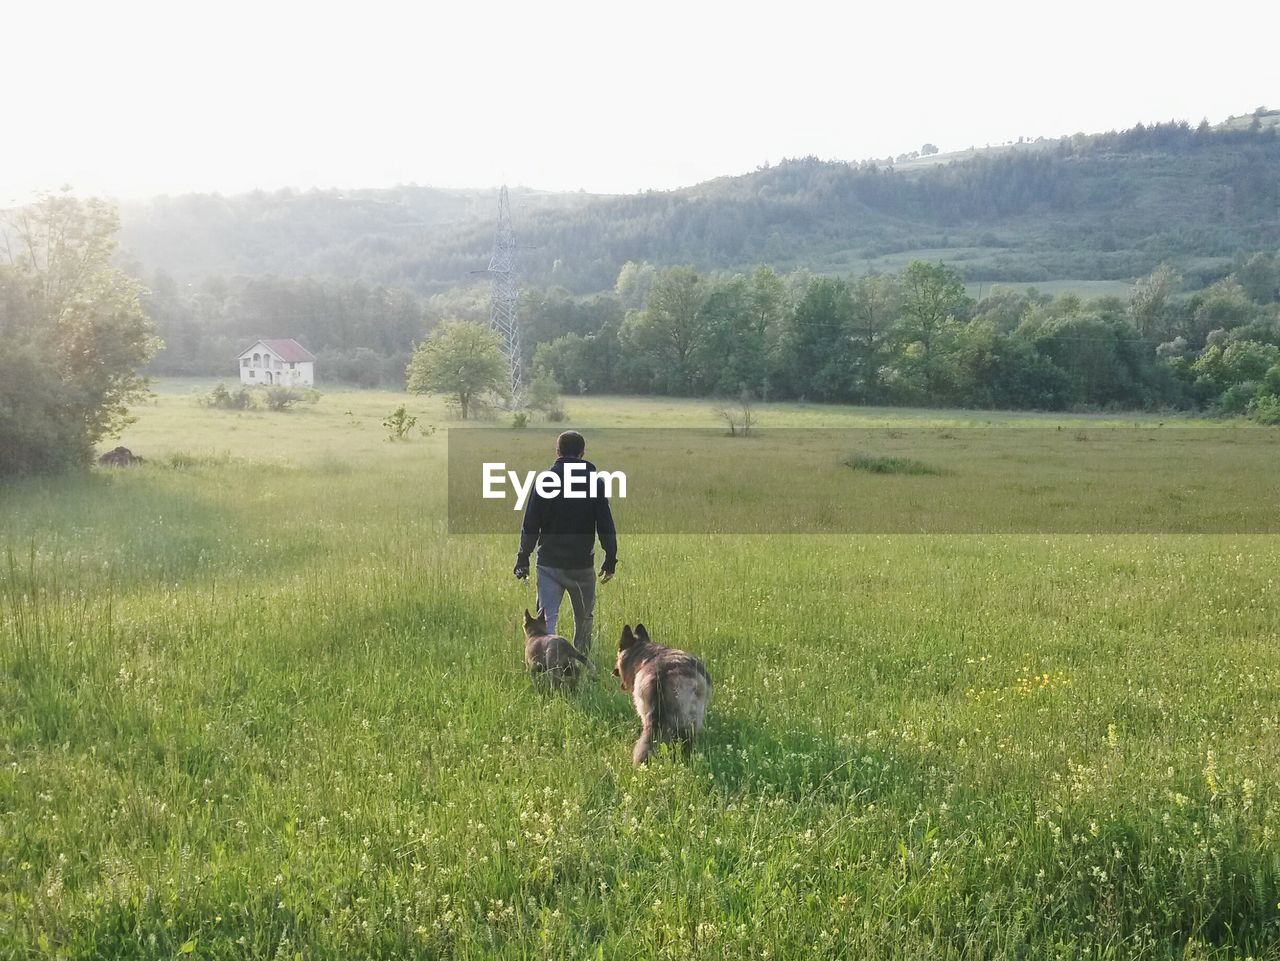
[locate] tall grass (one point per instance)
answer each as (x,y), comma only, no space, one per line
(269,709)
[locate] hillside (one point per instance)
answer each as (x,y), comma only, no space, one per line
(1102,207)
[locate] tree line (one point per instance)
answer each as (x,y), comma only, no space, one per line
(911,337)
(361,333)
(917,338)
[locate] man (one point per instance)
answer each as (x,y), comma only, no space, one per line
(564,529)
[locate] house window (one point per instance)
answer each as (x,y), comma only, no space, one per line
(253,373)
(292,365)
(257,360)
(244,361)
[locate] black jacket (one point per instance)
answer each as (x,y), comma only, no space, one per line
(564,529)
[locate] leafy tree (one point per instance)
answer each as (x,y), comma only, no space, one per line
(932,296)
(667,334)
(1223,306)
(876,302)
(1259,275)
(731,356)
(1006,307)
(1150,303)
(1230,375)
(819,343)
(985,368)
(73,335)
(460,359)
(634,283)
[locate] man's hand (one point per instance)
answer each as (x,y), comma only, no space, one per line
(521,570)
(605,576)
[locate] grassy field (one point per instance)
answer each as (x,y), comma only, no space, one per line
(258,703)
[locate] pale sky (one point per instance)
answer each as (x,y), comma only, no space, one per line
(132,99)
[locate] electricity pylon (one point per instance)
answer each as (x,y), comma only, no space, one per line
(504,297)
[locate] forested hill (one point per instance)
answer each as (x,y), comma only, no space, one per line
(1110,206)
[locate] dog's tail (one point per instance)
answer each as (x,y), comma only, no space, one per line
(649,722)
(577,655)
(644,746)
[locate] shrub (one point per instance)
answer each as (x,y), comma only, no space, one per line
(740,415)
(223,399)
(1237,398)
(282,398)
(398,423)
(1265,409)
(544,392)
(520,419)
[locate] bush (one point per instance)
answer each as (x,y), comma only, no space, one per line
(520,419)
(223,399)
(282,398)
(1265,409)
(544,392)
(1237,398)
(739,416)
(37,436)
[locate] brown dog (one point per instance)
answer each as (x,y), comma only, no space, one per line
(551,656)
(670,689)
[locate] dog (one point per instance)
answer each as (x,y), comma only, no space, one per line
(551,656)
(671,690)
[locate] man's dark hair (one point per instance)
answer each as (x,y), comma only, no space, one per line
(571,444)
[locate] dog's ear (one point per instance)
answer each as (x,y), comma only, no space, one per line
(642,634)
(628,639)
(540,615)
(528,618)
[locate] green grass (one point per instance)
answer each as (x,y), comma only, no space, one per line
(257,703)
(876,464)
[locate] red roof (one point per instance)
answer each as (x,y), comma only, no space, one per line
(289,351)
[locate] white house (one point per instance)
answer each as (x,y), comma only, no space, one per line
(270,362)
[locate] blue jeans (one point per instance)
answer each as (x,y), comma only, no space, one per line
(581,585)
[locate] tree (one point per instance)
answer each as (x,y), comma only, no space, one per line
(1149,306)
(876,302)
(731,355)
(1260,277)
(73,332)
(633,284)
(544,395)
(1224,306)
(932,296)
(820,344)
(928,150)
(667,333)
(460,359)
(769,304)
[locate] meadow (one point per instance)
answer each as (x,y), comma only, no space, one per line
(257,702)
